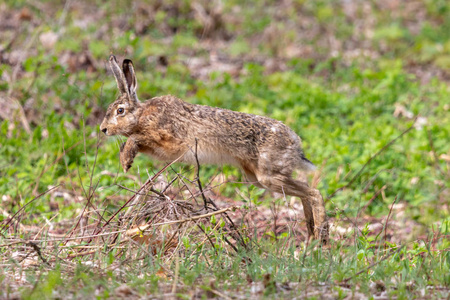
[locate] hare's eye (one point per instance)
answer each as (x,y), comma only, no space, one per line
(120,111)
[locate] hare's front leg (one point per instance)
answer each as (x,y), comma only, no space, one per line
(128,152)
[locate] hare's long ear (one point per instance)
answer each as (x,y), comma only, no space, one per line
(130,77)
(118,74)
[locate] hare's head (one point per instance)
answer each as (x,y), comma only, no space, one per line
(121,116)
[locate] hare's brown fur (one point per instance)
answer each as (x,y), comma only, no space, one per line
(168,128)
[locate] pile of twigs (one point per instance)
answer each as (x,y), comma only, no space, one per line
(151,222)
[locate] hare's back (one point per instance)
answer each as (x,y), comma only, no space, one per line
(246,135)
(225,136)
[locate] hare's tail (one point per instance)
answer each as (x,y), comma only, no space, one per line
(307,165)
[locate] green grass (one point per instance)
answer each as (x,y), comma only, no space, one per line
(292,273)
(342,105)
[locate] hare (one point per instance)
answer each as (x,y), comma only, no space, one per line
(167,128)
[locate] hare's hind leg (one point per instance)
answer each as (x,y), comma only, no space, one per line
(313,204)
(321,227)
(314,201)
(251,178)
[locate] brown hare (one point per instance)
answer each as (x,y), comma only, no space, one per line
(168,128)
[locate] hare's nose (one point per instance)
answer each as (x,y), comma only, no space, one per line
(104,130)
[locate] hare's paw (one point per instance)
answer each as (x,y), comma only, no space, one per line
(125,160)
(127,154)
(126,163)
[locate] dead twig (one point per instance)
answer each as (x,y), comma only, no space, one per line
(29,202)
(130,190)
(150,181)
(373,264)
(358,174)
(144,227)
(205,201)
(370,160)
(177,270)
(377,193)
(231,224)
(38,251)
(387,220)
